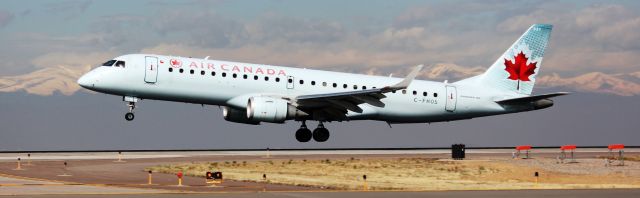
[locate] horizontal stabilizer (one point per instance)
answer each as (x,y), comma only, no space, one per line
(531,98)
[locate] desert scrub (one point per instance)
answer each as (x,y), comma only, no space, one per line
(386,173)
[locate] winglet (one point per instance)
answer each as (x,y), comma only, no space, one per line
(407,80)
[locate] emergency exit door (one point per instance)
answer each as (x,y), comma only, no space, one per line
(451,98)
(151,69)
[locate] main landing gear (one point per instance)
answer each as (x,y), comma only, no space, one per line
(320,134)
(132,105)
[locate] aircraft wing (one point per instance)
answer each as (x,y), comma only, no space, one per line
(338,103)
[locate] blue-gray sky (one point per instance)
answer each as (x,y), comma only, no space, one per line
(594,51)
(588,35)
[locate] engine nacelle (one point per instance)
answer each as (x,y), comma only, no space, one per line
(238,116)
(269,109)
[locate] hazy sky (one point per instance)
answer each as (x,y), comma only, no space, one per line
(354,36)
(341,35)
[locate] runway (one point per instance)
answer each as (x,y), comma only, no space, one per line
(453,194)
(91,174)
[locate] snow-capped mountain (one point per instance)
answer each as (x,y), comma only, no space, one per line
(62,79)
(45,81)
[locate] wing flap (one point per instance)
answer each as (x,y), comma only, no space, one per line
(342,102)
(531,98)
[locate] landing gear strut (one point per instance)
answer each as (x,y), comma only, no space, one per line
(320,134)
(132,105)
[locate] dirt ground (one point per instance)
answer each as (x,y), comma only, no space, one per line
(416,173)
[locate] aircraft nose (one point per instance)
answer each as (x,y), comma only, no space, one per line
(86,81)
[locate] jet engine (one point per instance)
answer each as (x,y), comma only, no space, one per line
(269,109)
(238,116)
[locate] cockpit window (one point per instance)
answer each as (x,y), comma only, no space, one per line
(120,64)
(109,63)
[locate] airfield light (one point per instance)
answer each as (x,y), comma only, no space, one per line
(364,185)
(119,157)
(179,174)
(150,178)
(19,167)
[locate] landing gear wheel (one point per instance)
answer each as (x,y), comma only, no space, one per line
(321,134)
(129,116)
(303,134)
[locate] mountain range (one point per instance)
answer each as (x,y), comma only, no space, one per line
(62,79)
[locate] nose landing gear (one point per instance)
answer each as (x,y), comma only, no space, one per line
(132,105)
(129,116)
(320,134)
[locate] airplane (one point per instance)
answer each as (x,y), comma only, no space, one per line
(255,93)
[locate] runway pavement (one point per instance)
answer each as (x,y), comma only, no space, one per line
(169,154)
(96,173)
(452,194)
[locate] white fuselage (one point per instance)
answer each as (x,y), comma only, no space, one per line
(212,82)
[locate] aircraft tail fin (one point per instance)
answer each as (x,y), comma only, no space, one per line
(516,70)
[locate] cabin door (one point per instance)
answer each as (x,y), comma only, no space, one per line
(151,69)
(451,99)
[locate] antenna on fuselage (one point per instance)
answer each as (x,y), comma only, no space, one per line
(390,75)
(206,58)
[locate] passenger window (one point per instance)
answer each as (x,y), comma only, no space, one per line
(404,91)
(235,75)
(224,74)
(202,72)
(355,86)
(364,87)
(266,78)
(170,69)
(191,71)
(213,73)
(109,63)
(435,95)
(120,64)
(290,80)
(277,79)
(181,70)
(424,93)
(255,77)
(344,86)
(244,76)
(335,85)
(415,92)
(394,91)
(324,84)
(301,82)
(313,82)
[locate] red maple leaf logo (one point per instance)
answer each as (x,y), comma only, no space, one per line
(519,70)
(175,62)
